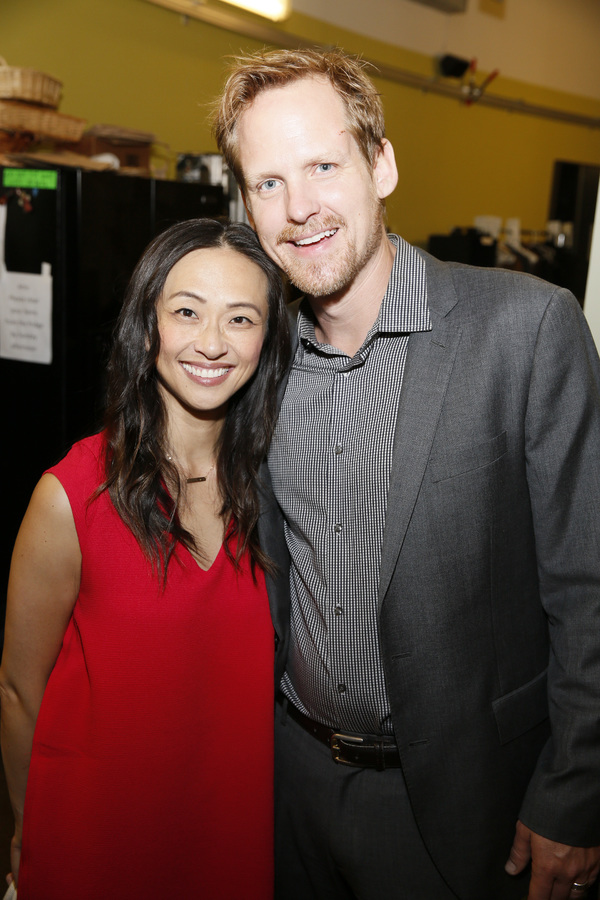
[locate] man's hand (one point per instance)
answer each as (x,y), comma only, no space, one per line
(555,867)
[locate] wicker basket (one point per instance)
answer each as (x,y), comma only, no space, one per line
(28,85)
(21,117)
(15,142)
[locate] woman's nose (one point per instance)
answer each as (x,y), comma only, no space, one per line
(210,340)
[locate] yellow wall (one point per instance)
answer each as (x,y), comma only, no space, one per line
(130,63)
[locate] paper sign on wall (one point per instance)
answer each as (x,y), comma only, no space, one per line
(25,311)
(26,316)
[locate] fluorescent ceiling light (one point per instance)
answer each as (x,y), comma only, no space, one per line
(272,9)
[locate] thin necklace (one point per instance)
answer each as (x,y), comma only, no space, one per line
(198,478)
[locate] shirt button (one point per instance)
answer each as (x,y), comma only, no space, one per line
(341,688)
(337,528)
(338,449)
(339,611)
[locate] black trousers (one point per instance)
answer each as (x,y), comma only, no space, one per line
(342,832)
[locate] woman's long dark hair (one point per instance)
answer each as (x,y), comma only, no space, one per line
(137,466)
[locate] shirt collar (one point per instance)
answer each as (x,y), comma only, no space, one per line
(404,307)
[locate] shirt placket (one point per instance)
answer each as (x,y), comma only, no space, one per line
(338,607)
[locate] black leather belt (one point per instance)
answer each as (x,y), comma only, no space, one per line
(366,751)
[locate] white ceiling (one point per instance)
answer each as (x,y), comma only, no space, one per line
(551,43)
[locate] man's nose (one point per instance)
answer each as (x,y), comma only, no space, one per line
(301,202)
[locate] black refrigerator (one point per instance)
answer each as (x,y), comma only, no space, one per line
(90,229)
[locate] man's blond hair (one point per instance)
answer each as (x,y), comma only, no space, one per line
(263,70)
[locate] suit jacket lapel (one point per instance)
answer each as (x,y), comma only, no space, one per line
(429,363)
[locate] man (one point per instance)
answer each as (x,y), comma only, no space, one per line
(436,461)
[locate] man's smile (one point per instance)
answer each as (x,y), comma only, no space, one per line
(315,238)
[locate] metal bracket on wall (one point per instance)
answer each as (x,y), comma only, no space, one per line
(276,37)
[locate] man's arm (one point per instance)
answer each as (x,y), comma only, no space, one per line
(559,827)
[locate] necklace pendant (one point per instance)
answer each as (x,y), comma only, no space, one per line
(195,480)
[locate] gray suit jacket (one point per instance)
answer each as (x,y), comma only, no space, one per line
(490,577)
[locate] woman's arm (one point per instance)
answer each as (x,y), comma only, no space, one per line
(42,589)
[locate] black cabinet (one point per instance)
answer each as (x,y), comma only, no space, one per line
(91,228)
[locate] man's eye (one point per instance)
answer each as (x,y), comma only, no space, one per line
(325,167)
(269,185)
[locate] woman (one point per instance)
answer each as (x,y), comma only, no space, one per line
(138,638)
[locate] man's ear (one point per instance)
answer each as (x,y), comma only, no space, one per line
(385,171)
(247,208)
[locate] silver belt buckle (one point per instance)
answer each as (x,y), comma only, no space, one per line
(336,749)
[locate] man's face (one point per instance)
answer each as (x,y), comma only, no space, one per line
(314,201)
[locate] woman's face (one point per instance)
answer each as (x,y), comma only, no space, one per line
(212,320)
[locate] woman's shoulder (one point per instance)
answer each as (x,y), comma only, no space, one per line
(82,465)
(89,448)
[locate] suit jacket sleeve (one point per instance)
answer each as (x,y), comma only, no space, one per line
(562,445)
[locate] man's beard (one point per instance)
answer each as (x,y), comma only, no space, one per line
(322,278)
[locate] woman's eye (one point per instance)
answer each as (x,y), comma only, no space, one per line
(241,320)
(185,312)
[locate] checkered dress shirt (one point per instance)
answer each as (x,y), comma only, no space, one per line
(330,462)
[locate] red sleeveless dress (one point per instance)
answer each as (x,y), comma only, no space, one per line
(152,764)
